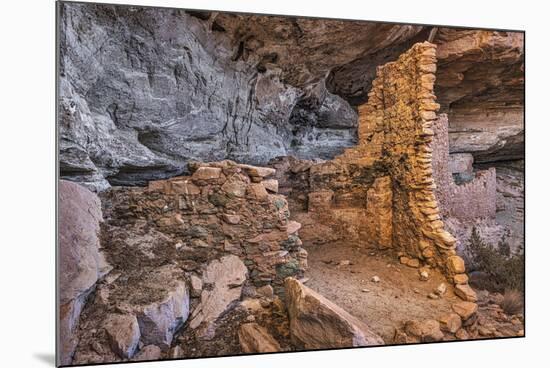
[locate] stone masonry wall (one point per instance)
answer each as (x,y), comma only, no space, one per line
(395,127)
(222,209)
(383,189)
(468,201)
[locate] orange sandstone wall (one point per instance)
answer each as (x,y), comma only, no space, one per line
(381,193)
(395,127)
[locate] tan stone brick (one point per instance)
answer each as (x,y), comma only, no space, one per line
(456,264)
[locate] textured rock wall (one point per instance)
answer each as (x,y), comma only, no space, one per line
(81,263)
(222,208)
(395,128)
(184,252)
(143,91)
(468,201)
(382,191)
(481,86)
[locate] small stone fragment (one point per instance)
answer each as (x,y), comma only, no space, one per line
(427,331)
(460,278)
(462,334)
(196,286)
(149,352)
(123,333)
(231,219)
(271,185)
(465,309)
(207,173)
(424,275)
(266,291)
(450,322)
(465,292)
(441,289)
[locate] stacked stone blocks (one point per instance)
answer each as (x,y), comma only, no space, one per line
(396,131)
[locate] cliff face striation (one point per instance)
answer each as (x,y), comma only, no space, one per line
(143,91)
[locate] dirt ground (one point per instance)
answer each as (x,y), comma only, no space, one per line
(398,296)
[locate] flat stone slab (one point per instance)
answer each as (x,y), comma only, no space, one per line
(317,323)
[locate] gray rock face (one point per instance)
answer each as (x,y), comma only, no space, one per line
(80,262)
(142,91)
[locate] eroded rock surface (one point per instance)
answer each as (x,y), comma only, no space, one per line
(143,91)
(481,86)
(226,277)
(183,251)
(81,262)
(255,339)
(317,323)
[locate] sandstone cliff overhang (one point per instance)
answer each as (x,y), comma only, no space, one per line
(143,91)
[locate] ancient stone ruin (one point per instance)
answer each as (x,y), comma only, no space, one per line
(383,192)
(225,257)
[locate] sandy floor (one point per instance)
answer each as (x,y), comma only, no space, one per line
(399,296)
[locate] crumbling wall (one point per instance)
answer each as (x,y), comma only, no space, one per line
(382,192)
(223,208)
(468,201)
(395,128)
(338,198)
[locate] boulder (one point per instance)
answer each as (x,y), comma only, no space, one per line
(123,334)
(226,277)
(255,339)
(80,262)
(161,307)
(317,323)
